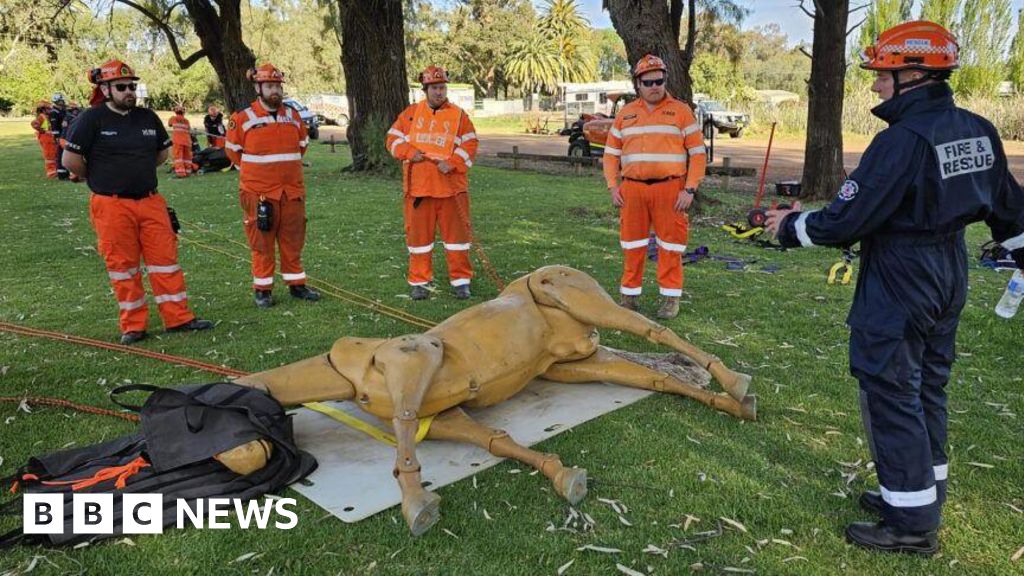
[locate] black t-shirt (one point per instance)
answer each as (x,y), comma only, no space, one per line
(120,150)
(214,124)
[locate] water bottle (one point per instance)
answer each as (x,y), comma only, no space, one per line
(1012,296)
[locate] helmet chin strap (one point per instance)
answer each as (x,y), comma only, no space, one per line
(898,87)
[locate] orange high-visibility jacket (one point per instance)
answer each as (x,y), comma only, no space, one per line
(268,151)
(41,124)
(180,130)
(665,142)
(443,134)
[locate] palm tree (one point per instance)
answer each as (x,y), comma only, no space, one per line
(533,63)
(566,27)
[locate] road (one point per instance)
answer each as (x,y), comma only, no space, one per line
(786,160)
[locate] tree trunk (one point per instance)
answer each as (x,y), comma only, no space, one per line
(220,34)
(373,57)
(647,27)
(823,156)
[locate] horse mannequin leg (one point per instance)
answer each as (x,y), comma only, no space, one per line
(604,365)
(582,297)
(456,426)
(409,364)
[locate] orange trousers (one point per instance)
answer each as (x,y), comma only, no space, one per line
(421,221)
(215,141)
(288,231)
(49,147)
(128,231)
(182,159)
(645,205)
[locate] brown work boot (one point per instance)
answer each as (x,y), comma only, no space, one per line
(629,302)
(669,308)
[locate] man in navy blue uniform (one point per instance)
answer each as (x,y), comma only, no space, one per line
(933,171)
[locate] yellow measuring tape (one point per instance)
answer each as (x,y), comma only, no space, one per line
(366,428)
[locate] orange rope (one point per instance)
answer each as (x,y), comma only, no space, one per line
(478,247)
(41,401)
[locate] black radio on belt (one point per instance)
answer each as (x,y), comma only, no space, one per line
(264,215)
(175,225)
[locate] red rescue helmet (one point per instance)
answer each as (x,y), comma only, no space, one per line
(918,45)
(111,70)
(433,75)
(649,63)
(265,73)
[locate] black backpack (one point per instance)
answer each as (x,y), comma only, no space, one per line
(172,453)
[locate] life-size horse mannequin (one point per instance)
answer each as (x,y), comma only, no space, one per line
(542,325)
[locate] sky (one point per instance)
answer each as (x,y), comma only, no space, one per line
(796,25)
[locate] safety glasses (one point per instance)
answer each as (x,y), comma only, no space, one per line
(655,82)
(125,87)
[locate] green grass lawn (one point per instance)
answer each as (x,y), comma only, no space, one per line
(791,478)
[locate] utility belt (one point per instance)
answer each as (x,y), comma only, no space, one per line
(653,180)
(142,196)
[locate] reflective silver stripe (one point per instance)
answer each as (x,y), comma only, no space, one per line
(420,249)
(1014,243)
(616,132)
(126,275)
(801,229)
(233,146)
(456,247)
(673,130)
(612,151)
(395,144)
(460,282)
(675,292)
(297,276)
(464,155)
(697,150)
(671,247)
(941,472)
(691,129)
(631,244)
(303,143)
(271,158)
(394,132)
(162,269)
(418,283)
(179,297)
(629,158)
(630,291)
(469,136)
(262,281)
(909,499)
(132,305)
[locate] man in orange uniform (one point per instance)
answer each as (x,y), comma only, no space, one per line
(116,148)
(181,137)
(656,147)
(41,124)
(437,143)
(267,141)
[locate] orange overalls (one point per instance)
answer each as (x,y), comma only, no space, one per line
(660,152)
(41,125)
(181,138)
(268,150)
(432,198)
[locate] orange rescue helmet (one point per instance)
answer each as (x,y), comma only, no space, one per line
(111,70)
(433,75)
(265,73)
(649,63)
(917,45)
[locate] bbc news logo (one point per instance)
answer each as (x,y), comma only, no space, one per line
(144,513)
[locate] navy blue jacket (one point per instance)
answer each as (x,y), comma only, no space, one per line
(921,181)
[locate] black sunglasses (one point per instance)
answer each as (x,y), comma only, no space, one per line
(124,87)
(656,82)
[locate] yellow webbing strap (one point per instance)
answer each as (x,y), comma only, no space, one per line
(365,428)
(740,232)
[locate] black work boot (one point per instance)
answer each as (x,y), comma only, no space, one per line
(419,293)
(192,326)
(129,338)
(264,299)
(884,538)
(303,292)
(462,292)
(871,501)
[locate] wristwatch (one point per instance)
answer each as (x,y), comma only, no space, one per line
(690,191)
